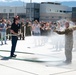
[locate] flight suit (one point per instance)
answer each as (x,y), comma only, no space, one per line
(68,42)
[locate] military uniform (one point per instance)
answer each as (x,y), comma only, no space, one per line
(22,30)
(68,42)
(28,29)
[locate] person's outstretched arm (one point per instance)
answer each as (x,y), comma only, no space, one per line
(74,28)
(60,32)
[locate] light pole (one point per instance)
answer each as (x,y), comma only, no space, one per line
(30,9)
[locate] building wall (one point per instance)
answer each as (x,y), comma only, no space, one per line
(54,12)
(9,12)
(54,16)
(33,11)
(74,14)
(40,11)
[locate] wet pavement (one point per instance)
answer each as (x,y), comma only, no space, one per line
(35,56)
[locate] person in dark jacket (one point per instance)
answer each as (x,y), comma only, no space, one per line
(14,31)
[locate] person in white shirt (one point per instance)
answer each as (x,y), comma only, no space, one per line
(36,28)
(3,31)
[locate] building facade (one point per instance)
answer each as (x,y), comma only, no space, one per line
(44,11)
(8,12)
(50,11)
(74,14)
(33,11)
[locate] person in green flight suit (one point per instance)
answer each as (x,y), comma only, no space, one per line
(68,31)
(28,28)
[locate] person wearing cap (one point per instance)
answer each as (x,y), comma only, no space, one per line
(14,31)
(68,41)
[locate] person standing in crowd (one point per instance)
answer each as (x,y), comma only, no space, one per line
(59,38)
(47,29)
(28,28)
(36,32)
(8,29)
(36,28)
(42,28)
(3,31)
(14,31)
(22,29)
(68,41)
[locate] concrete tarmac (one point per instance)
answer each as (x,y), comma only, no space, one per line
(35,58)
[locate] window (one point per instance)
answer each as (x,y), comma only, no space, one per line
(22,15)
(36,15)
(11,15)
(4,10)
(60,10)
(57,10)
(74,9)
(10,10)
(47,17)
(64,11)
(68,11)
(60,17)
(52,16)
(28,10)
(74,15)
(36,10)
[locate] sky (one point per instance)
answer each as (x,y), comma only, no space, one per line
(39,0)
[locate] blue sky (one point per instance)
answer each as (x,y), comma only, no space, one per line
(39,0)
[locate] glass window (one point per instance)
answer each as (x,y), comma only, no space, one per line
(68,11)
(46,17)
(27,15)
(4,10)
(60,10)
(74,9)
(10,10)
(52,16)
(74,15)
(36,10)
(60,17)
(28,10)
(36,6)
(11,15)
(57,10)
(22,15)
(4,15)
(64,11)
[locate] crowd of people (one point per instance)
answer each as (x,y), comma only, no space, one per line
(27,28)
(20,28)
